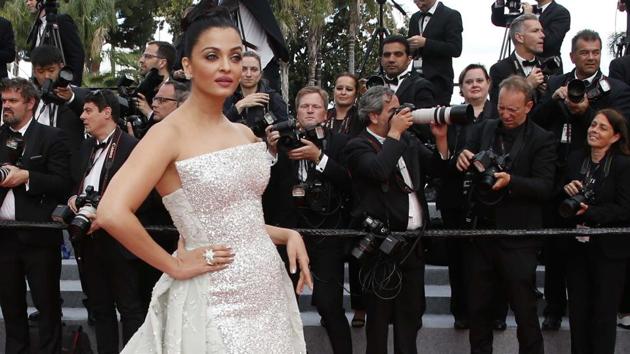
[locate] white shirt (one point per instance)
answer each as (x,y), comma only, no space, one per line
(544,7)
(40,32)
(415,208)
(400,80)
(589,79)
(254,34)
(93,177)
(7,210)
(526,69)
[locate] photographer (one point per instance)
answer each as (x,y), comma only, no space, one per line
(73,52)
(526,33)
(60,105)
(388,167)
(169,97)
(598,192)
(319,195)
(35,179)
(508,194)
(108,269)
(160,56)
(434,46)
(554,18)
(254,98)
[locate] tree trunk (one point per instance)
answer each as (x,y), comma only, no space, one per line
(313,46)
(353,25)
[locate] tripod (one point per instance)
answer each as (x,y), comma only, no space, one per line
(506,44)
(379,33)
(50,35)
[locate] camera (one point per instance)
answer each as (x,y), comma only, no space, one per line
(128,95)
(459,114)
(14,147)
(550,66)
(291,134)
(48,87)
(570,206)
(514,7)
(486,164)
(262,119)
(368,244)
(314,195)
(576,89)
(86,204)
(62,214)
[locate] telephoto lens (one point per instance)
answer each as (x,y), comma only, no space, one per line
(570,206)
(459,114)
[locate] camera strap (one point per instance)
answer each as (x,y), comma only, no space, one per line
(112,148)
(517,146)
(588,172)
(397,174)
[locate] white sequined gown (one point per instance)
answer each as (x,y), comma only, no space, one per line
(249,307)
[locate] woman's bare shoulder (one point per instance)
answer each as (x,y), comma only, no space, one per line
(246,132)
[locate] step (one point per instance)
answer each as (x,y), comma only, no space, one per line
(436,336)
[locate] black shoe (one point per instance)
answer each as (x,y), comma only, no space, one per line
(322,322)
(34,316)
(499,325)
(551,323)
(460,323)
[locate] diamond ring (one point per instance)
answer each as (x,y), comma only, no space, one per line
(209,256)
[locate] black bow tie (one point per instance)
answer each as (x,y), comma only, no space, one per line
(527,63)
(425,14)
(389,81)
(102,145)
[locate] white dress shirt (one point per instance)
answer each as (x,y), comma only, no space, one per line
(417,63)
(415,208)
(7,210)
(93,177)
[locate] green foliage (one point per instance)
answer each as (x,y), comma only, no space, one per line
(136,26)
(16,12)
(172,12)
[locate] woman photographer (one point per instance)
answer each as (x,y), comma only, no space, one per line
(342,118)
(598,186)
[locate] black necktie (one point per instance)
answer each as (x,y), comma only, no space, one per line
(527,63)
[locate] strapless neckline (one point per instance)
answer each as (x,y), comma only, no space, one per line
(218,152)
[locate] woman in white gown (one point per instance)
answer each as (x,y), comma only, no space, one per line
(211,174)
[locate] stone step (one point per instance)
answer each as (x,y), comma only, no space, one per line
(436,336)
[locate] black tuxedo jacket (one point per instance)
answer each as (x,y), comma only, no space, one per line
(7,45)
(552,115)
(444,42)
(71,43)
(500,71)
(555,20)
(376,191)
(611,207)
(47,159)
(336,175)
(263,13)
(620,69)
(532,175)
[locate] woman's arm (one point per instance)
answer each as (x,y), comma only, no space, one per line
(296,252)
(150,162)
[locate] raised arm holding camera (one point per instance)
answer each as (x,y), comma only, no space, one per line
(513,161)
(107,268)
(61,103)
(389,167)
(597,193)
(34,178)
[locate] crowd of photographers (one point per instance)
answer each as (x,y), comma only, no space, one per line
(530,147)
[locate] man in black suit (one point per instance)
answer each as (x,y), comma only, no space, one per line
(555,20)
(157,55)
(389,168)
(409,86)
(7,46)
(62,107)
(569,121)
(110,275)
(619,69)
(38,180)
(526,33)
(435,36)
(514,201)
(320,191)
(73,52)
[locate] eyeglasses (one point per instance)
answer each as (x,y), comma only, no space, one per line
(162,100)
(149,56)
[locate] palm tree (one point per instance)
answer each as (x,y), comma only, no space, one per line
(21,20)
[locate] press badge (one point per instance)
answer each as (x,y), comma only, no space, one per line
(566,134)
(298,191)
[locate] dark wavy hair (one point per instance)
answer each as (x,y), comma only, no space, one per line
(202,17)
(620,126)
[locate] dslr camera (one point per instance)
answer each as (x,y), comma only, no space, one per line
(514,7)
(128,95)
(576,89)
(315,195)
(570,206)
(367,245)
(48,87)
(486,164)
(291,134)
(14,147)
(86,204)
(262,119)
